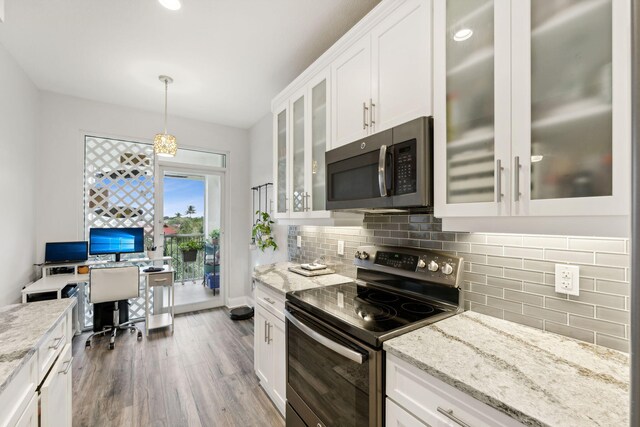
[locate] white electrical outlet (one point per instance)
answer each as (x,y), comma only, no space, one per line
(568,279)
(299,241)
(340,247)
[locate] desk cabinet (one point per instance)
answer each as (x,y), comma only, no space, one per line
(269,345)
(163,280)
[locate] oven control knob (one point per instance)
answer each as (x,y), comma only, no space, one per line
(447,269)
(421,263)
(433,266)
(364,255)
(357,254)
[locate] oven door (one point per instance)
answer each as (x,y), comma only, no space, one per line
(332,379)
(357,174)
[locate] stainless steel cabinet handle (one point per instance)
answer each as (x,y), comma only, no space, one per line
(66,370)
(332,345)
(57,341)
(364,115)
(160,280)
(306,201)
(498,196)
(270,339)
(269,300)
(449,414)
(516,179)
(372,116)
(382,173)
(286,204)
(266,332)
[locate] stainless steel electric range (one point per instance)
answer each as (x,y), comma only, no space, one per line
(335,362)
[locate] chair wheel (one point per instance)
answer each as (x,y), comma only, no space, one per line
(111,346)
(87,344)
(131,331)
(139,336)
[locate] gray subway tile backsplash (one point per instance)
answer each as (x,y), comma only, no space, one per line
(509,276)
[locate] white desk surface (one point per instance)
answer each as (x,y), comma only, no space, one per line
(59,281)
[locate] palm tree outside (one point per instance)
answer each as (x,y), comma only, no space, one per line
(190,210)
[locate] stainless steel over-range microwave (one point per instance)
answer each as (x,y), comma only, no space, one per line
(387,170)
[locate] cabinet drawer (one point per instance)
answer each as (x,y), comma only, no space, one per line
(15,399)
(55,392)
(397,417)
(51,347)
(271,301)
(160,279)
(428,399)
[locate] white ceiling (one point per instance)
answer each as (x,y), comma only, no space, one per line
(228,58)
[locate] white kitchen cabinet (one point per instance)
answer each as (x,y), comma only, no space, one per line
(29,416)
(281,155)
(56,393)
(269,345)
(413,395)
(532,111)
(384,78)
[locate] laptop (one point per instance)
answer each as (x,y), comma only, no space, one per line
(65,252)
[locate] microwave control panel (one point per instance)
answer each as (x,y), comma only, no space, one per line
(405,167)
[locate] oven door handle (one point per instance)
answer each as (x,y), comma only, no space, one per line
(340,349)
(382,171)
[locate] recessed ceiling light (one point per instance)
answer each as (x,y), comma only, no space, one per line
(463,34)
(171,4)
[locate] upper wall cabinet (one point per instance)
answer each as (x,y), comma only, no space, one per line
(384,78)
(532,108)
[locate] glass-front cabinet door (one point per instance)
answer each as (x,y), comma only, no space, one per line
(299,194)
(570,107)
(319,131)
(281,163)
(472,107)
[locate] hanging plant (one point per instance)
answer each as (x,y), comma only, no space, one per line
(261,232)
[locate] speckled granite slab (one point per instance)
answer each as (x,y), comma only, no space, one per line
(538,378)
(278,277)
(22,328)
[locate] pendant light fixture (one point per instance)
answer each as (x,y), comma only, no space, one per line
(164,144)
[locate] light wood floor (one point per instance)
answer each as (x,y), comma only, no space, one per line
(200,376)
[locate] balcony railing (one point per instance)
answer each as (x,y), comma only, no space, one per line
(184,271)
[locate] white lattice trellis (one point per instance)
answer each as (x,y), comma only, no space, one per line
(118,192)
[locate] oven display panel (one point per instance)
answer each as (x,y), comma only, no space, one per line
(396,260)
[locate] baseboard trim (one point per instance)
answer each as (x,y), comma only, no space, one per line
(239,301)
(204,305)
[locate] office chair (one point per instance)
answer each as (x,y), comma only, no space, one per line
(111,284)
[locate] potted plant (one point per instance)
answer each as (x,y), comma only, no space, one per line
(215,236)
(190,250)
(261,232)
(150,247)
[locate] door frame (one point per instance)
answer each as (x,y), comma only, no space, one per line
(164,166)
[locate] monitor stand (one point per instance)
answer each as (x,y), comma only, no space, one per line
(117,257)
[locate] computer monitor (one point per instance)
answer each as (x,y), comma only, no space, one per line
(103,241)
(65,252)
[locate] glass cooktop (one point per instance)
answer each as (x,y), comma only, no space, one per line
(366,312)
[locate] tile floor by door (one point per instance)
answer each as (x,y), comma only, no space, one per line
(202,375)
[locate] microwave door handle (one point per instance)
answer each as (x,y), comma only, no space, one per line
(382,171)
(340,349)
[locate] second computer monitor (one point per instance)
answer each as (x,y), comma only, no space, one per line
(103,241)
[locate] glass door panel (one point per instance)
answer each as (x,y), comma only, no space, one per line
(470,96)
(297,177)
(571,92)
(282,162)
(318,144)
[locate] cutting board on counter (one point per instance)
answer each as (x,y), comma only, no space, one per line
(311,273)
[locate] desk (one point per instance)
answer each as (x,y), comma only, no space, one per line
(57,282)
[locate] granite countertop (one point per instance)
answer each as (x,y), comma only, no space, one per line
(278,277)
(536,377)
(22,328)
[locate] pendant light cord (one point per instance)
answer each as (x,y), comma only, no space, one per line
(166,89)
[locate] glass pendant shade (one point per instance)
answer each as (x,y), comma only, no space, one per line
(165,145)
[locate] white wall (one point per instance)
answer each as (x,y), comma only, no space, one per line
(64,122)
(18,136)
(261,149)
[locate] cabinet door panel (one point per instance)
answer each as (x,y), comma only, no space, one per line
(319,91)
(298,148)
(572,103)
(350,94)
(280,162)
(262,358)
(401,66)
(56,394)
(278,346)
(472,100)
